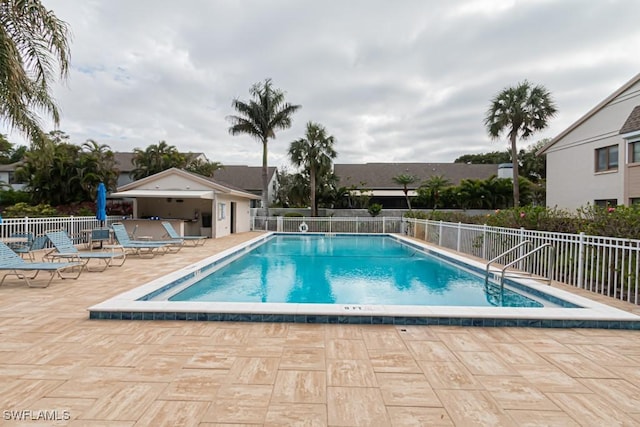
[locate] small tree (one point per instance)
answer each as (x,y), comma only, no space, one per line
(405,180)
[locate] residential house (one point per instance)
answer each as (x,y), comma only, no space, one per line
(7,176)
(249,178)
(377,178)
(596,160)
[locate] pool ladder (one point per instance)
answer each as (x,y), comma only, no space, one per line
(502,272)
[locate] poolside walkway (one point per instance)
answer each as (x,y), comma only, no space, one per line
(161,373)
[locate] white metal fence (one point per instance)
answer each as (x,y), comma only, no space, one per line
(605,265)
(327,224)
(75,226)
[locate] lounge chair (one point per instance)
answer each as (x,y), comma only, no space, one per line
(138,247)
(172,233)
(16,266)
(173,245)
(64,248)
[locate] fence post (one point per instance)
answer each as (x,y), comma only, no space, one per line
(426,230)
(383,224)
(440,236)
(522,248)
(581,260)
(329,224)
(279,224)
(459,236)
(357,225)
(484,241)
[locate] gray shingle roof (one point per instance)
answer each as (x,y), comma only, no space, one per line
(380,175)
(248,178)
(632,123)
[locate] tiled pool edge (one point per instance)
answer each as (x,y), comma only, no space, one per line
(366,320)
(130,306)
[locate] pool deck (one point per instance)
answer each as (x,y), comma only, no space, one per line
(155,373)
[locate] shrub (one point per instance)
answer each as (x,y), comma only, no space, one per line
(293,215)
(11,197)
(374,209)
(20,210)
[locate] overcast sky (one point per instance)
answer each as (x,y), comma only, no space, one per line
(392,81)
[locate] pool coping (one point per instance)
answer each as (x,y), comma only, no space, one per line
(129,306)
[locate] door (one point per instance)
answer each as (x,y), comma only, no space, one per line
(233,217)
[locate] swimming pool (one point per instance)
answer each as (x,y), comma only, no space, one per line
(151,301)
(346,269)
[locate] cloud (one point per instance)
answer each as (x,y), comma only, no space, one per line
(392,81)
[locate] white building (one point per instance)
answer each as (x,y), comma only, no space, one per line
(596,160)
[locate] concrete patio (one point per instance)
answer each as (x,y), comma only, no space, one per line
(54,359)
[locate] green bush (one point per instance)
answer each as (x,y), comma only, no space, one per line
(293,215)
(621,221)
(374,209)
(20,210)
(11,197)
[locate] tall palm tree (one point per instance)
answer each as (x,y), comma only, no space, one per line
(405,180)
(315,153)
(260,118)
(519,112)
(34,46)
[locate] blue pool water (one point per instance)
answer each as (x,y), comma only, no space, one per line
(345,270)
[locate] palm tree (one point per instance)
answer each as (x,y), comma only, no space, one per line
(405,180)
(156,158)
(33,44)
(433,186)
(315,154)
(260,118)
(204,167)
(519,111)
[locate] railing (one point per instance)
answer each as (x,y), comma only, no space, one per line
(502,256)
(73,225)
(604,265)
(328,224)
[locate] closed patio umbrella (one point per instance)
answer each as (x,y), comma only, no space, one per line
(101,204)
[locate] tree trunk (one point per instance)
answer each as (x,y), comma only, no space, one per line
(265,179)
(406,196)
(312,185)
(516,173)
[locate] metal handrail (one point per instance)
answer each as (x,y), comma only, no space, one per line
(519,245)
(528,254)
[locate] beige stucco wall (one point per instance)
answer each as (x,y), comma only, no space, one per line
(571,178)
(242,215)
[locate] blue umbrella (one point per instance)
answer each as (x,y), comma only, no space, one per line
(101,204)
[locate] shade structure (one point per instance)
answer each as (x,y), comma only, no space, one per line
(101,203)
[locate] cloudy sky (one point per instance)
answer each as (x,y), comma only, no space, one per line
(392,81)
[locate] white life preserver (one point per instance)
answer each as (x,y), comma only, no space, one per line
(303,227)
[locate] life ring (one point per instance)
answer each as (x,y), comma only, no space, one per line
(303,227)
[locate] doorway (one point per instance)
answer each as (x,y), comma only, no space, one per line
(233,217)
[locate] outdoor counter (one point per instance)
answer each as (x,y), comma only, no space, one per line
(153,229)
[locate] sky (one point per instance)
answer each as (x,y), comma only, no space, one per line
(391,81)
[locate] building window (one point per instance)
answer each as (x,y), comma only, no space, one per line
(606,203)
(634,152)
(607,158)
(634,201)
(222,211)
